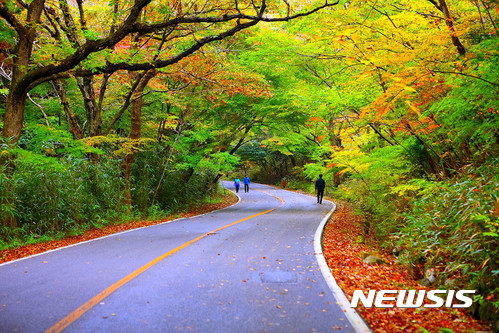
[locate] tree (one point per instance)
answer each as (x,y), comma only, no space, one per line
(193,25)
(449,21)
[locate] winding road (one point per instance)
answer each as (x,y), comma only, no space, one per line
(250,267)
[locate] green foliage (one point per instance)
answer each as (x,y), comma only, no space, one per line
(313,170)
(378,184)
(7,204)
(7,34)
(188,177)
(57,195)
(453,228)
(49,196)
(468,114)
(219,162)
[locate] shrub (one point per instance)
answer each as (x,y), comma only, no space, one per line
(454,228)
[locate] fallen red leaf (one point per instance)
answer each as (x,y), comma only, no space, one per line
(342,253)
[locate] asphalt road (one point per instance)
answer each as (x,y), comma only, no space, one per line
(202,274)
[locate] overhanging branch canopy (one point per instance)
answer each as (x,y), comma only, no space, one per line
(136,21)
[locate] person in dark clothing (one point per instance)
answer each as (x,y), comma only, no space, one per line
(246,182)
(320,185)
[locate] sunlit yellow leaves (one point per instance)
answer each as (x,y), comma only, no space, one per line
(122,146)
(96,140)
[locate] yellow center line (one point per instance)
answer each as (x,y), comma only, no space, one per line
(282,201)
(73,316)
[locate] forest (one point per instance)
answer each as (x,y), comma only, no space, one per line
(118,110)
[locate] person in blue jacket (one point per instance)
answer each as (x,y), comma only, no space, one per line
(246,182)
(236,184)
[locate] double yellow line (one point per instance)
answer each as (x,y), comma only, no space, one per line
(73,316)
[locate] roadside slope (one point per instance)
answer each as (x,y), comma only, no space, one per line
(343,252)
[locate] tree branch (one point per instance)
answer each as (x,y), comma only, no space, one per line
(419,13)
(464,74)
(159,63)
(41,109)
(436,4)
(126,104)
(131,25)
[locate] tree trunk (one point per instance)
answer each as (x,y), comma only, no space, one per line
(18,91)
(13,124)
(14,115)
(94,117)
(74,126)
(449,20)
(135,133)
(135,126)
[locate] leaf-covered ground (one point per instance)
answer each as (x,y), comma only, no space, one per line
(344,253)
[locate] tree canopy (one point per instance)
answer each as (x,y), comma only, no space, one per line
(121,108)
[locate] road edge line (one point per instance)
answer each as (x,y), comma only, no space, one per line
(358,323)
(119,233)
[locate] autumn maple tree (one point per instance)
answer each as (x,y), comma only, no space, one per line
(48,48)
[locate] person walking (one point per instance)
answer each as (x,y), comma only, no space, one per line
(320,185)
(236,184)
(246,182)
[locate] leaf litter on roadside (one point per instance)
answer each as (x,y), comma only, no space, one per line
(343,255)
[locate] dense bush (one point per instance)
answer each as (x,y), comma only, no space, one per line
(453,228)
(377,183)
(59,195)
(181,185)
(48,196)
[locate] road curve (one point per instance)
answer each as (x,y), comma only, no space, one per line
(247,268)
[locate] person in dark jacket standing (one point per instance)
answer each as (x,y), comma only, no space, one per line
(320,185)
(246,182)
